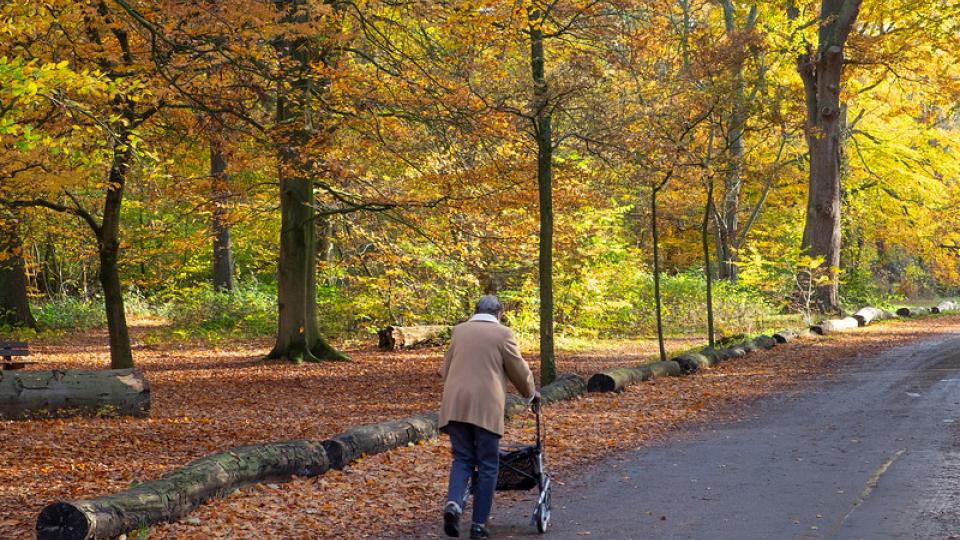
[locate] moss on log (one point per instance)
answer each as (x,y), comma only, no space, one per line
(395,338)
(616,380)
(765,342)
(57,394)
(176,494)
(693,362)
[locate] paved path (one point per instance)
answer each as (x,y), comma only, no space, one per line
(872,454)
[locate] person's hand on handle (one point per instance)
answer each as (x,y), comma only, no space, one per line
(535,402)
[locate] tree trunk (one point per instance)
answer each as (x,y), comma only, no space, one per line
(298,334)
(108,247)
(14,302)
(708,274)
(220,226)
(395,338)
(28,395)
(656,274)
(822,79)
(548,367)
(179,492)
(616,380)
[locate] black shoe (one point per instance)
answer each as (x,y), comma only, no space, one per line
(451,519)
(479,531)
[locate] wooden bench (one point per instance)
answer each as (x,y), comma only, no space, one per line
(9,349)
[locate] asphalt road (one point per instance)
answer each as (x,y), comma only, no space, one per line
(872,454)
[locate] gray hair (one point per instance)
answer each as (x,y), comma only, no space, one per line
(490,305)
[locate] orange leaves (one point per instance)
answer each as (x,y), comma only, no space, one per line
(205,401)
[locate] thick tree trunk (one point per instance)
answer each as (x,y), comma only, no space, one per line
(822,78)
(108,247)
(395,338)
(179,492)
(617,379)
(298,333)
(14,302)
(544,136)
(219,225)
(52,394)
(835,325)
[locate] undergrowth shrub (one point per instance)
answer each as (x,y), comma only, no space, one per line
(249,311)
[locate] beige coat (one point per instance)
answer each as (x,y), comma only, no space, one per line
(481,357)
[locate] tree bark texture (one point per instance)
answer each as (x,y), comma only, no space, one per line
(544,137)
(821,73)
(14,302)
(219,224)
(298,333)
(656,273)
(28,395)
(395,338)
(617,379)
(176,494)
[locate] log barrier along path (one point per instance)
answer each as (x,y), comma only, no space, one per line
(872,454)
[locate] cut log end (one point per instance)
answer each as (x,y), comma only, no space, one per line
(63,521)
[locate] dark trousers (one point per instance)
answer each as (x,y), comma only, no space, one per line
(475,451)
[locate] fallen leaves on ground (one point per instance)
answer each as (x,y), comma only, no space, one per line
(207,400)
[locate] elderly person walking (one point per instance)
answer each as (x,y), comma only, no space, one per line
(483,354)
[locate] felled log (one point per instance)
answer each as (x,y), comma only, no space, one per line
(869,314)
(913,312)
(395,338)
(765,342)
(693,362)
(57,394)
(835,325)
(785,336)
(566,386)
(615,380)
(944,307)
(179,492)
(376,438)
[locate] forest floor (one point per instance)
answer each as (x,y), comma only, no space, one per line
(206,399)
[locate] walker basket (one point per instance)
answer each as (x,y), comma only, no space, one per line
(519,469)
